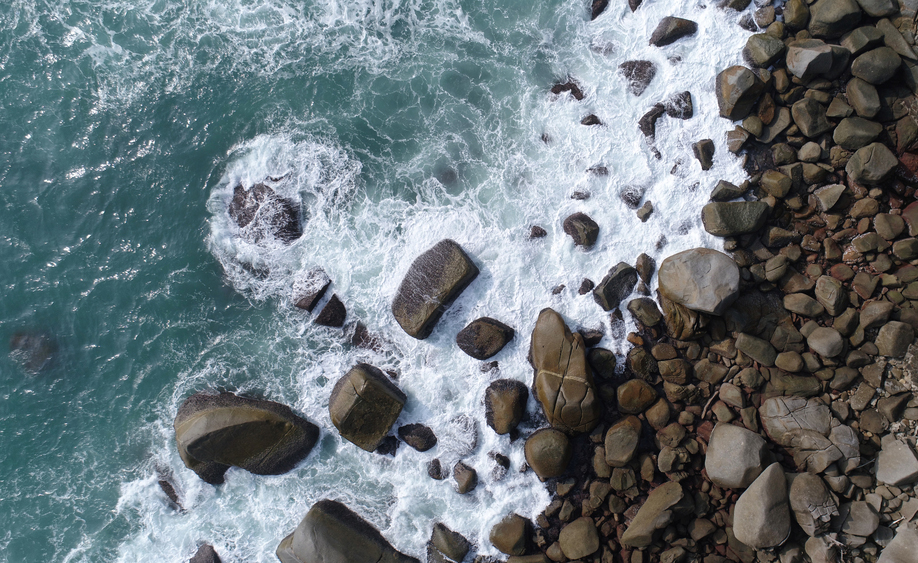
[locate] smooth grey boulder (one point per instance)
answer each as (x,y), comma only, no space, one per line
(215,432)
(897,463)
(579,539)
(812,503)
(782,415)
(876,66)
(333,533)
(872,165)
(563,379)
(735,456)
(796,14)
(671,29)
(615,286)
(505,404)
(759,350)
(737,89)
(831,294)
(734,218)
(902,548)
(833,18)
(854,133)
(894,339)
(700,279)
(828,196)
(825,341)
(621,441)
(858,518)
(434,280)
(762,514)
(364,405)
(863,97)
(894,39)
(879,8)
(511,535)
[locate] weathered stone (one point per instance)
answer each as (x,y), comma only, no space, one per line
(671,29)
(897,463)
(579,538)
(364,405)
(854,133)
(735,456)
(679,105)
(505,404)
(205,554)
(902,548)
(862,39)
(333,313)
(876,66)
(734,218)
(894,339)
(466,478)
(704,153)
(906,249)
(810,117)
(700,279)
(762,515)
(831,294)
(833,18)
(782,415)
(675,371)
(310,288)
(781,122)
(638,74)
(664,505)
(621,441)
(796,14)
(756,348)
(332,533)
(879,8)
(634,396)
(563,379)
(888,226)
(737,89)
(826,342)
(776,183)
(548,451)
(763,50)
(725,191)
(893,37)
(511,535)
(615,286)
(863,97)
(645,311)
(260,213)
(812,503)
(434,280)
(582,229)
(214,432)
(32,350)
(451,544)
(484,337)
(828,196)
(803,304)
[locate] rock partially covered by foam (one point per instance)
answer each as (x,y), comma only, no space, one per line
(333,533)
(563,379)
(215,432)
(434,280)
(701,279)
(261,213)
(364,405)
(32,350)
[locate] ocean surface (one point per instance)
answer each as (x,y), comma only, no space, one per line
(126,124)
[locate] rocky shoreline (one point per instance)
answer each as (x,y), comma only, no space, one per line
(766,409)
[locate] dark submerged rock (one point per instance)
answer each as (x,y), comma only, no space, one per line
(308,290)
(205,554)
(615,286)
(671,29)
(484,337)
(582,229)
(333,314)
(639,74)
(505,404)
(569,86)
(418,436)
(262,213)
(34,351)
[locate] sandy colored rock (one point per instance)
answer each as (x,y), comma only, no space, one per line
(364,405)
(548,451)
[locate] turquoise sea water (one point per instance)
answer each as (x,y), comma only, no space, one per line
(395,123)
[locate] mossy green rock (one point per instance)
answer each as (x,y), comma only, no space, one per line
(216,432)
(333,533)
(563,378)
(364,405)
(434,280)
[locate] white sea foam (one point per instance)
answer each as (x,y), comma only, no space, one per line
(495,179)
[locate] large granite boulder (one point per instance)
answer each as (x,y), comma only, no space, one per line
(548,451)
(729,219)
(809,58)
(262,214)
(511,535)
(215,432)
(364,405)
(737,89)
(876,66)
(434,280)
(701,279)
(484,337)
(762,517)
(453,546)
(735,456)
(563,378)
(333,533)
(505,404)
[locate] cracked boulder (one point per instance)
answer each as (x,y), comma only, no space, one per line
(813,435)
(434,280)
(812,503)
(333,533)
(701,279)
(364,405)
(215,432)
(563,380)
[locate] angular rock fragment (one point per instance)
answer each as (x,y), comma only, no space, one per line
(735,456)
(261,214)
(615,286)
(484,337)
(505,404)
(364,405)
(737,89)
(333,313)
(734,218)
(665,504)
(582,229)
(639,75)
(762,516)
(310,288)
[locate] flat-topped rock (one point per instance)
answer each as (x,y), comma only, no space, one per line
(548,451)
(897,463)
(729,219)
(833,18)
(782,415)
(621,441)
(579,539)
(364,405)
(671,29)
(876,66)
(563,378)
(700,279)
(434,280)
(333,533)
(762,516)
(484,337)
(809,58)
(215,432)
(902,548)
(663,506)
(735,456)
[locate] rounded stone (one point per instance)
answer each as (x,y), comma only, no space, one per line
(700,279)
(735,456)
(826,342)
(579,538)
(548,451)
(762,515)
(635,396)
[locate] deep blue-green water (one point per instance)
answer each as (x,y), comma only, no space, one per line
(395,123)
